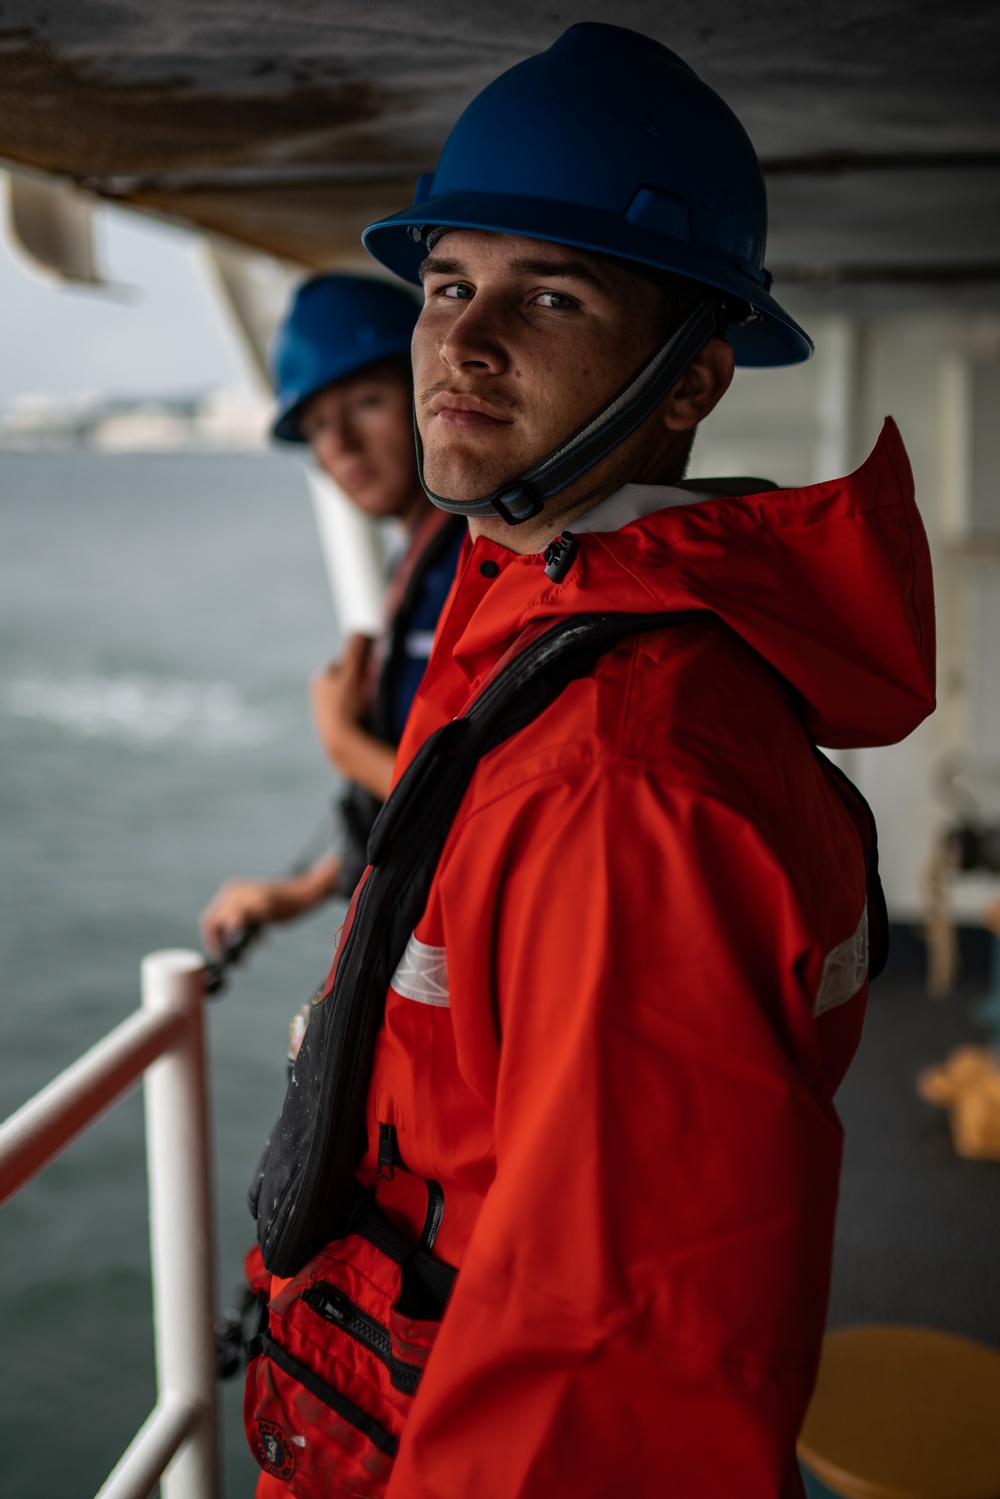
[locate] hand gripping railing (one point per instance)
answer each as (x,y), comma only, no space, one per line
(177,1445)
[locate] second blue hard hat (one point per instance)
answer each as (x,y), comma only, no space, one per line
(336,326)
(610,142)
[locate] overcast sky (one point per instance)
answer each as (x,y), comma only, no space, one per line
(166,335)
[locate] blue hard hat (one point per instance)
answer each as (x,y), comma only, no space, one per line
(610,142)
(336,326)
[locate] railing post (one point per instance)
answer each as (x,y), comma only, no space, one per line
(180,1219)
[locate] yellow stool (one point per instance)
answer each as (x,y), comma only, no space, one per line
(905,1413)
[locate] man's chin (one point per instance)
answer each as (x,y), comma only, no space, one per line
(464,478)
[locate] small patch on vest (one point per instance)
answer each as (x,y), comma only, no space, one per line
(423,974)
(273,1451)
(845,968)
(419,644)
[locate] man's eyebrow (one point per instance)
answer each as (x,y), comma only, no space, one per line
(437,265)
(571,270)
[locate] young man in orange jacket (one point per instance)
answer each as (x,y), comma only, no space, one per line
(617,1029)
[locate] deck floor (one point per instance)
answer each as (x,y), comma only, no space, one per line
(918,1231)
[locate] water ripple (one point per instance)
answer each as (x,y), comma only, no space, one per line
(138,710)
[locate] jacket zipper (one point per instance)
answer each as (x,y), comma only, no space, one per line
(333,1306)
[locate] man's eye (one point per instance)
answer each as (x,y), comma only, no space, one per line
(457,289)
(554,299)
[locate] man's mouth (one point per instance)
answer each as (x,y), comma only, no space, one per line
(466,413)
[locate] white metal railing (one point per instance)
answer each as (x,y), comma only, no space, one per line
(164,1042)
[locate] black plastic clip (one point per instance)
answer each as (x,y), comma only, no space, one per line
(517,503)
(216,973)
(559,555)
(387,1152)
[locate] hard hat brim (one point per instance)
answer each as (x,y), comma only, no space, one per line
(772,338)
(286,426)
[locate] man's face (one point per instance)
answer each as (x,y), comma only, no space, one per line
(518,343)
(361,432)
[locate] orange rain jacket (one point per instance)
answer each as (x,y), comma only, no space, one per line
(615,1036)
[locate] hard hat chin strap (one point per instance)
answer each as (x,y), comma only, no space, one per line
(521,498)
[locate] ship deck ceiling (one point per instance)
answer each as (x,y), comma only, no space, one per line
(289,126)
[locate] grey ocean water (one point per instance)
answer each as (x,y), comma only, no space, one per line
(159,618)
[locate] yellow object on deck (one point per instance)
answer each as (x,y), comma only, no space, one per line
(967,1084)
(905,1413)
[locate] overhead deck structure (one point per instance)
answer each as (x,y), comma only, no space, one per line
(289,126)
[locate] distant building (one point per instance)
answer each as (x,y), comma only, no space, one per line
(220,420)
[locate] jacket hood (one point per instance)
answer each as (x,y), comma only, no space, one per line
(831,584)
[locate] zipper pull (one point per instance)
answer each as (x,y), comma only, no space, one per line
(559,555)
(388,1152)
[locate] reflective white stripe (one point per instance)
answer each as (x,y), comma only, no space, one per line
(844,969)
(418,644)
(423,974)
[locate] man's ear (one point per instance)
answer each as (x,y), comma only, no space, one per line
(701,387)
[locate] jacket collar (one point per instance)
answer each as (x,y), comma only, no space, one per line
(831,584)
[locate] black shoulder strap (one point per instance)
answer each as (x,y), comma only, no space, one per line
(305,1186)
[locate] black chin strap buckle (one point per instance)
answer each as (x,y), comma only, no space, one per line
(517,503)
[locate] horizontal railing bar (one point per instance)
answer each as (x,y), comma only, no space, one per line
(141,1465)
(50,1121)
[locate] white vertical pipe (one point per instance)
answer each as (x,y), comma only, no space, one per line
(837,379)
(350,542)
(955,438)
(353,555)
(955,576)
(837,376)
(180,1218)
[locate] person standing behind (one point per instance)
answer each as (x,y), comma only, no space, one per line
(343,386)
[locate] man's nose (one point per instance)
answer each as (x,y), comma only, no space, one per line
(476,339)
